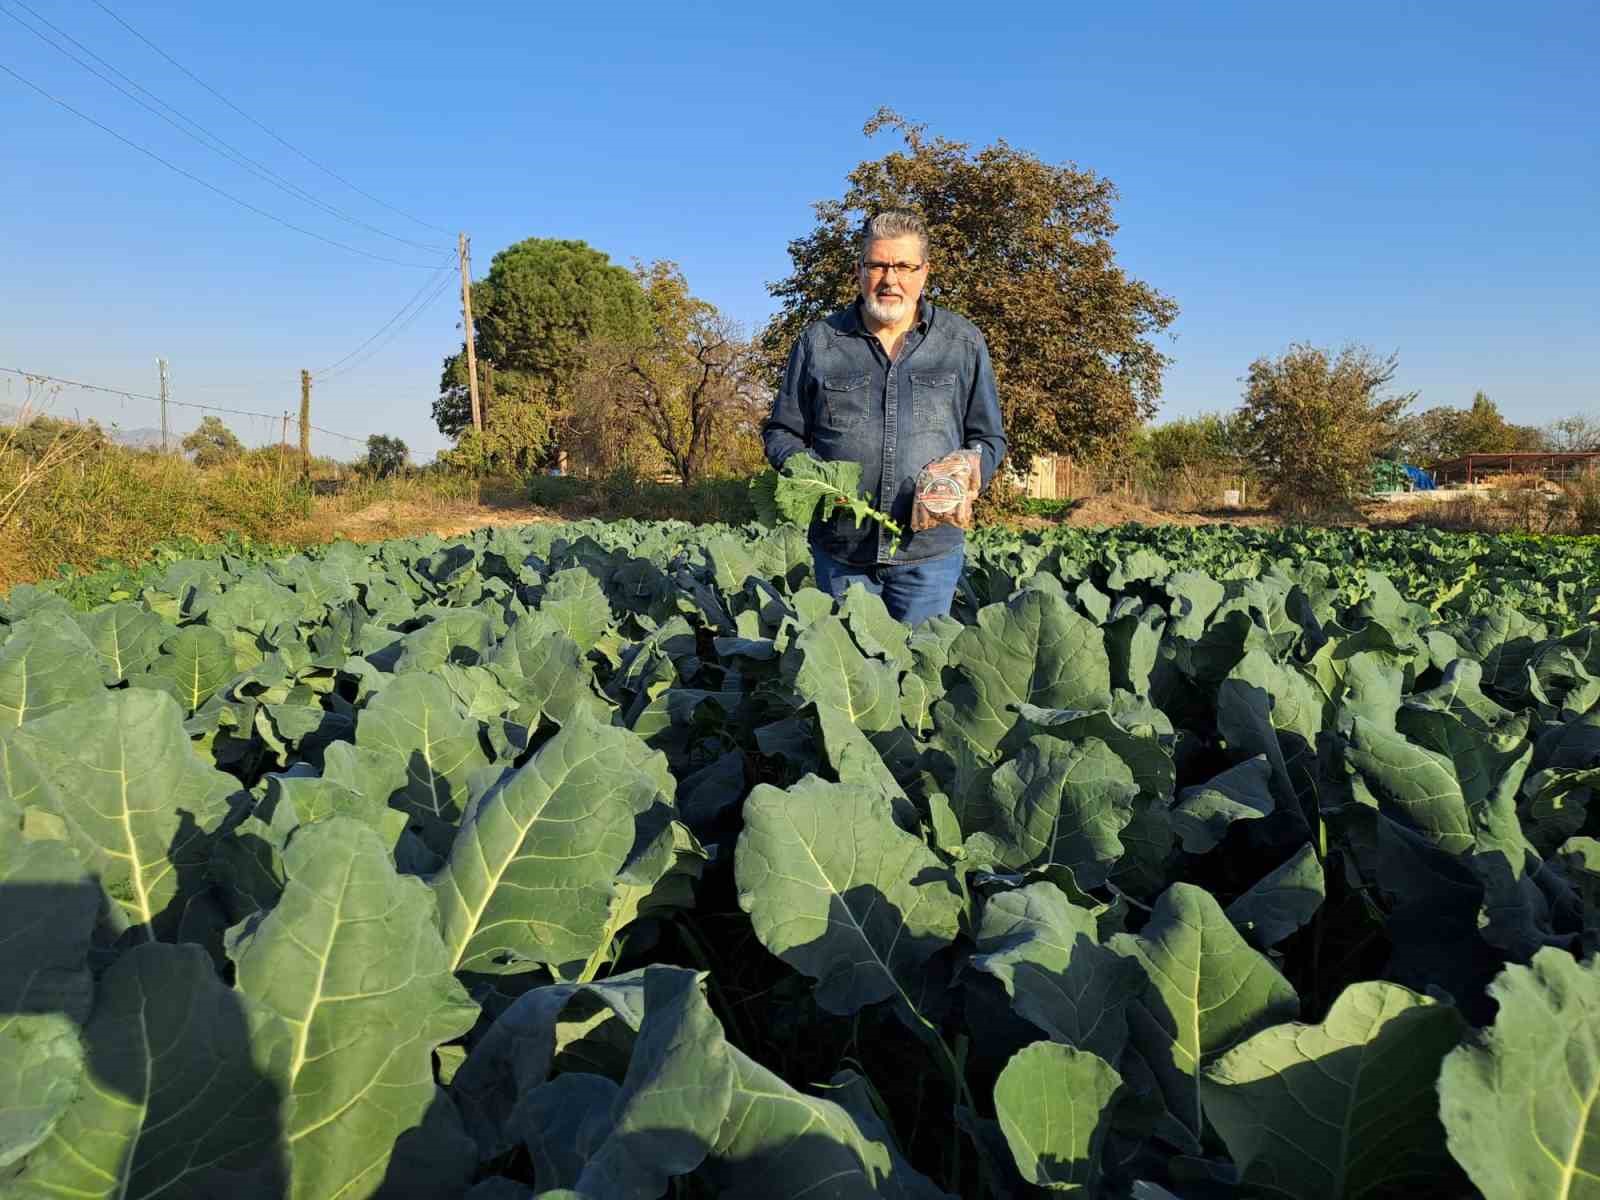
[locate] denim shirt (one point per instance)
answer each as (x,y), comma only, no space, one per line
(842,398)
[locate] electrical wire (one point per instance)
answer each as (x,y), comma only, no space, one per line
(127,395)
(415,297)
(198,133)
(189,175)
(438,291)
(329,171)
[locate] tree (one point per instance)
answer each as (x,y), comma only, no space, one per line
(541,303)
(1444,433)
(212,443)
(1314,425)
(685,385)
(1206,443)
(386,455)
(1023,249)
(1574,434)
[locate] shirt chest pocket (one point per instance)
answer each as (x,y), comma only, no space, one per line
(844,401)
(933,398)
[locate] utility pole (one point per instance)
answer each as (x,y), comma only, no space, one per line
(305,424)
(161,365)
(283,444)
(463,252)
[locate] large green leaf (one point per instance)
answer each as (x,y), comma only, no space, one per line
(1205,991)
(832,670)
(531,876)
(1034,649)
(1457,791)
(46,664)
(1046,951)
(415,721)
(1054,1104)
(1204,813)
(1522,1108)
(546,673)
(139,805)
(1057,803)
(1341,1109)
(47,912)
(194,663)
(126,636)
(351,964)
(674,1099)
(181,1091)
(574,604)
(1282,900)
(842,894)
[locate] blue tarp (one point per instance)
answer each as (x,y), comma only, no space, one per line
(1421,481)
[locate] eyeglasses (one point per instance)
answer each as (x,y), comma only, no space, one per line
(899,268)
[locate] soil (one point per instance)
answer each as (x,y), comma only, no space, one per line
(1109,510)
(391,519)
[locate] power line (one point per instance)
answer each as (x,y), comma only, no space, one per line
(189,175)
(415,297)
(329,171)
(442,287)
(222,146)
(236,412)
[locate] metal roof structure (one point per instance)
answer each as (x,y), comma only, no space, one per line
(1555,464)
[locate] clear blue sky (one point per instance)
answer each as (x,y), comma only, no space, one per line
(1419,178)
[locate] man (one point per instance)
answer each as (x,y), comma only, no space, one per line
(894,383)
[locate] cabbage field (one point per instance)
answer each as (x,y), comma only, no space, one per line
(618,862)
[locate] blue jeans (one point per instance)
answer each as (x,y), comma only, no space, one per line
(911,591)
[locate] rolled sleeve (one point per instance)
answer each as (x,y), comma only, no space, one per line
(784,431)
(983,429)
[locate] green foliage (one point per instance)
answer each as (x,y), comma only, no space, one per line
(808,487)
(540,304)
(211,443)
(615,859)
(1312,424)
(386,455)
(33,439)
(680,394)
(1023,249)
(1441,433)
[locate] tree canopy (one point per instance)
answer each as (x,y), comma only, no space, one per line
(212,443)
(1023,249)
(685,387)
(1442,433)
(1314,423)
(541,302)
(386,455)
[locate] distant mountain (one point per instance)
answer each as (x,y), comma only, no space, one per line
(137,439)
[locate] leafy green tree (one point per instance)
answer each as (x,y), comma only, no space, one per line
(1444,433)
(1313,424)
(212,443)
(386,455)
(535,312)
(1022,248)
(1208,442)
(686,385)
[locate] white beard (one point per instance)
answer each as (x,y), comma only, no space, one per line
(884,313)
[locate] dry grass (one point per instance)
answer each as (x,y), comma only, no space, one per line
(80,507)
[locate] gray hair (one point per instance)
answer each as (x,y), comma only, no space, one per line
(892,223)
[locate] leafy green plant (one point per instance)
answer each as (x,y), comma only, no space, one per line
(614,859)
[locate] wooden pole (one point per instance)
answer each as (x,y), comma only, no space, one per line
(161,366)
(305,425)
(283,444)
(464,253)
